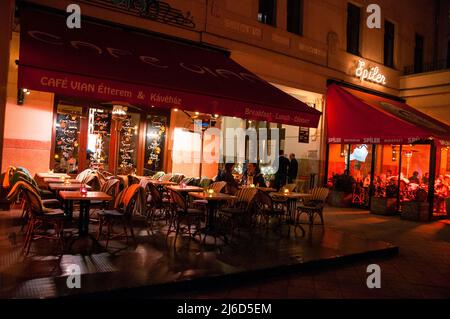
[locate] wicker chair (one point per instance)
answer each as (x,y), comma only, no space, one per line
(266,209)
(158,207)
(313,206)
(240,211)
(122,214)
(39,217)
(183,215)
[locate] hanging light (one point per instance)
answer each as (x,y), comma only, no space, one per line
(119,112)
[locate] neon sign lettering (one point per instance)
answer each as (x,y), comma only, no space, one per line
(369,74)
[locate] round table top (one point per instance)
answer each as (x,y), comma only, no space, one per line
(76,195)
(213,196)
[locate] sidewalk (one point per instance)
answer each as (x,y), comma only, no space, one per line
(421,270)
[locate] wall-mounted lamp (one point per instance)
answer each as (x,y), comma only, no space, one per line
(21,95)
(394,153)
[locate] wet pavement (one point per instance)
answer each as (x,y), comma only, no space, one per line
(154,266)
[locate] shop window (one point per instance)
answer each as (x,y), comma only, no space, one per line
(415,173)
(353,26)
(267,12)
(128,142)
(337,160)
(99,139)
(67,139)
(442,185)
(155,144)
(360,169)
(386,171)
(295,16)
(389,36)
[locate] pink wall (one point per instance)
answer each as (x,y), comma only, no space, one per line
(28,127)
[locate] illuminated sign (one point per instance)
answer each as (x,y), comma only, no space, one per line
(369,74)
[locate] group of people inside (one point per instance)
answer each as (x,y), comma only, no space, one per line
(252,175)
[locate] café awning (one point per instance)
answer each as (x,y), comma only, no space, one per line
(109,63)
(355,117)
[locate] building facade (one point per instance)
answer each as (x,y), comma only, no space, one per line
(298,46)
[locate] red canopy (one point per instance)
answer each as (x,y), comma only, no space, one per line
(355,117)
(109,64)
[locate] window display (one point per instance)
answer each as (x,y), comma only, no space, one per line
(65,157)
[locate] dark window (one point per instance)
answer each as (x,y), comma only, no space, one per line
(448,55)
(267,11)
(295,16)
(389,34)
(353,24)
(418,54)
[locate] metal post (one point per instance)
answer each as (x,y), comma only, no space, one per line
(399,175)
(348,159)
(372,174)
(431,181)
(327,155)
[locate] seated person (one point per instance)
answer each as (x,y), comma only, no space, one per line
(253,176)
(415,178)
(226,175)
(425,178)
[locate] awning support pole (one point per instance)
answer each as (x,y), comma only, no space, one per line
(431,181)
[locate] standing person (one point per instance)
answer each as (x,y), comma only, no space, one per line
(282,172)
(293,168)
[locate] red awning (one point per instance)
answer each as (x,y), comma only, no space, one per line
(357,117)
(109,64)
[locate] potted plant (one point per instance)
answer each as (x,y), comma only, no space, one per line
(341,190)
(416,209)
(385,204)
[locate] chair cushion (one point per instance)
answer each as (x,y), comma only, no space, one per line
(312,203)
(233,211)
(200,201)
(46,193)
(110,212)
(51,203)
(195,211)
(96,203)
(52,213)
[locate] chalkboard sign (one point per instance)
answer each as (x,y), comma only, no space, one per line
(102,122)
(303,135)
(154,144)
(66,142)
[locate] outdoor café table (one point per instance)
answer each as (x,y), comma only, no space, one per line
(161,184)
(291,199)
(213,199)
(52,175)
(185,190)
(262,189)
(85,199)
(49,180)
(66,187)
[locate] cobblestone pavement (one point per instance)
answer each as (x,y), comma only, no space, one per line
(421,270)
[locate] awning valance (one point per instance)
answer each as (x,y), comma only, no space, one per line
(108,63)
(355,117)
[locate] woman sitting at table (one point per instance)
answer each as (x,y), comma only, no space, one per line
(253,176)
(226,175)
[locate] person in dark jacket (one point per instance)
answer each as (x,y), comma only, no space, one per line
(282,173)
(253,176)
(226,175)
(293,168)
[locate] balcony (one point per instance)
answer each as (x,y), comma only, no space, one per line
(427,67)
